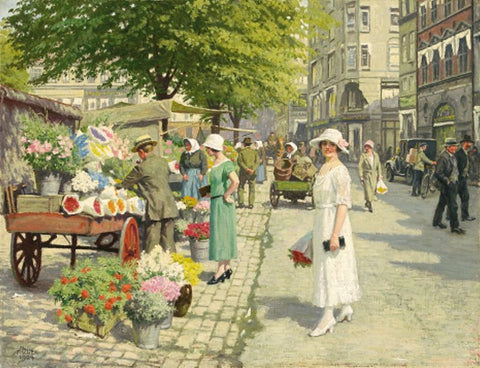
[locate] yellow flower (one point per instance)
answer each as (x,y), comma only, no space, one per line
(191,269)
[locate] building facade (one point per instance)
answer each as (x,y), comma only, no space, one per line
(476,72)
(353,72)
(445,69)
(407,108)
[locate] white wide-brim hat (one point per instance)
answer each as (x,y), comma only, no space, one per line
(331,135)
(214,141)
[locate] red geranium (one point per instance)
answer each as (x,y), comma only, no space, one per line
(59,312)
(118,276)
(126,288)
(90,309)
(64,280)
(68,318)
(85,294)
(108,306)
(198,231)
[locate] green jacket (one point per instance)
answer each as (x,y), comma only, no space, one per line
(248,158)
(422,159)
(151,177)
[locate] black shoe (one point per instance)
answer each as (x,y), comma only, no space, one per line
(250,206)
(469,218)
(440,225)
(240,205)
(214,281)
(414,194)
(228,273)
(458,230)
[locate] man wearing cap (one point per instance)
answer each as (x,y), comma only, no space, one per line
(419,168)
(463,168)
(447,174)
(248,161)
(151,178)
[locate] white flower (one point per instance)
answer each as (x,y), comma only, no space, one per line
(181,205)
(82,182)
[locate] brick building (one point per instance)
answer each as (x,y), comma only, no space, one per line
(444,68)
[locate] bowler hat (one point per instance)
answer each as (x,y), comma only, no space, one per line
(142,141)
(423,144)
(247,141)
(450,141)
(467,138)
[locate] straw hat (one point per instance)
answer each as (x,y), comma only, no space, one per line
(214,141)
(142,141)
(450,141)
(331,135)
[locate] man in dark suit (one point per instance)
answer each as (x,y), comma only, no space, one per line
(447,174)
(463,160)
(151,178)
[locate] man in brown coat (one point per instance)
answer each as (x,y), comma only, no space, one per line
(248,162)
(151,178)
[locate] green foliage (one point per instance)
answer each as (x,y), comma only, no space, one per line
(48,146)
(145,306)
(10,75)
(116,168)
(99,289)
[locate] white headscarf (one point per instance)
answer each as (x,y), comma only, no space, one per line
(258,144)
(294,146)
(195,146)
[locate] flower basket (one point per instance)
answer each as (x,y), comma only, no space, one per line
(88,324)
(184,301)
(199,249)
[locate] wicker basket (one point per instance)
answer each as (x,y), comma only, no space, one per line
(282,169)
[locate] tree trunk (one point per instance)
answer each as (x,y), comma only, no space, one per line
(215,124)
(165,128)
(236,125)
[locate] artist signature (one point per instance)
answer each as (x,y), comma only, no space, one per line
(24,354)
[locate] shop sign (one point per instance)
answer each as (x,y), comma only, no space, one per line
(443,114)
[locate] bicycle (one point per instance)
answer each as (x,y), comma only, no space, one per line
(427,186)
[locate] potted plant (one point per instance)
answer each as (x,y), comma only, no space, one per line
(180,227)
(189,203)
(92,295)
(191,271)
(198,234)
(49,150)
(147,310)
(201,211)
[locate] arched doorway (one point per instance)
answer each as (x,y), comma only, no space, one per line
(443,124)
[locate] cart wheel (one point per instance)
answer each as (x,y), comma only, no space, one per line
(273,196)
(129,241)
(106,240)
(26,257)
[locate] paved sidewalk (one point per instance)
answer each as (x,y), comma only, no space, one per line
(210,335)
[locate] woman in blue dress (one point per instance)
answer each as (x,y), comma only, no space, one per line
(223,235)
(193,167)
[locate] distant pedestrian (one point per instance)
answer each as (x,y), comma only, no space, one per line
(262,168)
(335,279)
(223,234)
(370,172)
(291,152)
(463,161)
(419,168)
(193,167)
(151,178)
(474,165)
(248,162)
(447,174)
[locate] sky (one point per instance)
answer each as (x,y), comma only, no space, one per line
(5,5)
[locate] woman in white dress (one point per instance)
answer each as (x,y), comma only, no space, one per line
(335,271)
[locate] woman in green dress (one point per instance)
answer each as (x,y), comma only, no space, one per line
(223,236)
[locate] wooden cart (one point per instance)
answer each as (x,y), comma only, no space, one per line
(33,231)
(293,190)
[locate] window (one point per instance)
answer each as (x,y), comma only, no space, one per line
(424,68)
(405,7)
(436,65)
(448,61)
(331,65)
(460,4)
(352,57)
(365,57)
(393,54)
(412,82)
(404,49)
(423,16)
(350,17)
(447,8)
(433,11)
(462,56)
(412,46)
(365,18)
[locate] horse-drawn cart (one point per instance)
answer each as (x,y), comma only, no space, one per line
(33,231)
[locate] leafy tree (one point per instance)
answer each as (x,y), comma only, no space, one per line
(10,75)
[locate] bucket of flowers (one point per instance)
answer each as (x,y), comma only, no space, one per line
(160,263)
(92,295)
(198,235)
(201,211)
(187,212)
(50,152)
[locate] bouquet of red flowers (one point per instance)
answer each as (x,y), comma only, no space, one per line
(198,231)
(301,251)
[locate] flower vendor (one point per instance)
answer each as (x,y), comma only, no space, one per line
(151,177)
(193,167)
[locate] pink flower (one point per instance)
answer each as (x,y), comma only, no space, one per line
(342,143)
(160,284)
(55,151)
(168,142)
(168,151)
(47,146)
(23,139)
